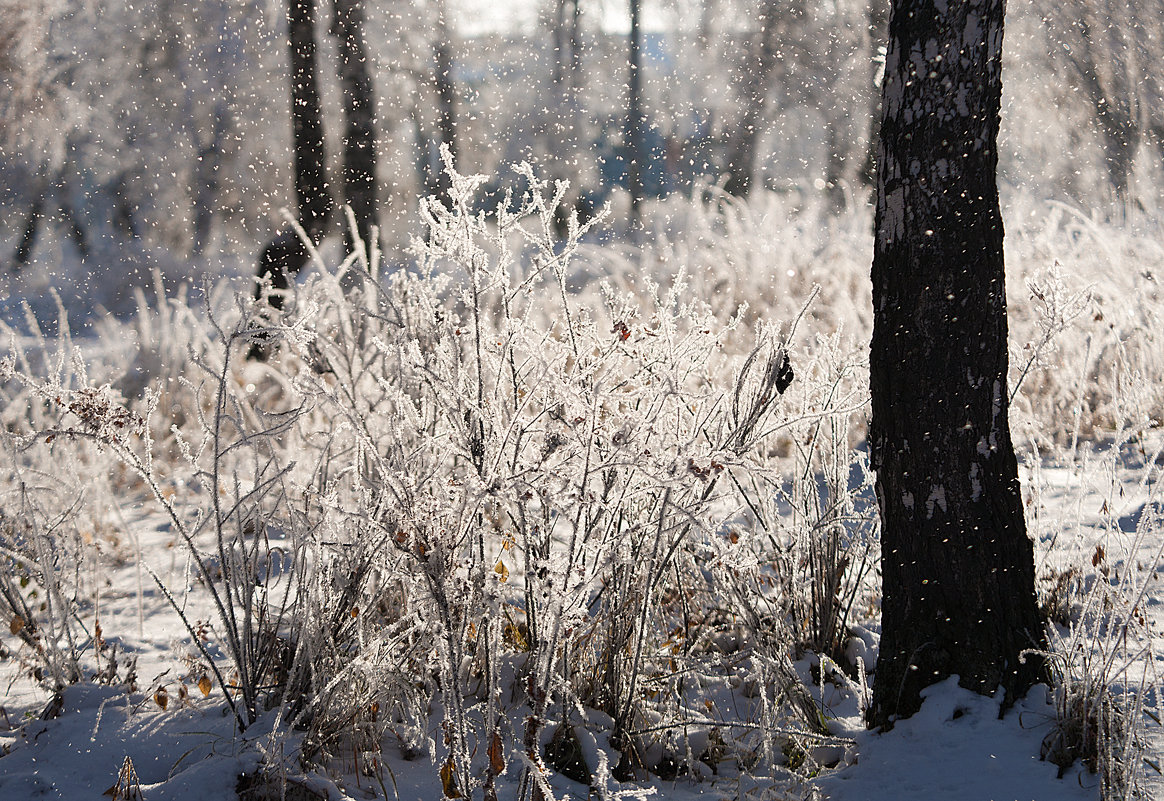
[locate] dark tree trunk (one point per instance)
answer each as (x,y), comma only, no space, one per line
(1147,42)
(560,134)
(309,148)
(836,170)
(957,566)
(207,178)
(566,74)
(558,35)
(762,63)
(1121,138)
(50,205)
(440,183)
(1112,98)
(878,15)
(634,115)
(32,225)
(123,218)
(359,168)
(1099,44)
(285,254)
(574,40)
(76,228)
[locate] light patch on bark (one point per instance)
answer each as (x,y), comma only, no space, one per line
(894,87)
(960,102)
(995,413)
(994,43)
(972,33)
(937,500)
(893,219)
(932,50)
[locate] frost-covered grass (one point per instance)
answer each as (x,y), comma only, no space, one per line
(530,515)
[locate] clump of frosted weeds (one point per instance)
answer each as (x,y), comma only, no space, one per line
(551,494)
(51,466)
(1085,312)
(485,514)
(1102,643)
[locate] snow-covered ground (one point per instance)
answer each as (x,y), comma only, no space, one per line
(1094,509)
(955,748)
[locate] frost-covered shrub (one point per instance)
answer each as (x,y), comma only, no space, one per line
(528,497)
(49,538)
(546,500)
(1085,311)
(492,498)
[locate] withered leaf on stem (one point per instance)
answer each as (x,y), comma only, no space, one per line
(496,758)
(449,779)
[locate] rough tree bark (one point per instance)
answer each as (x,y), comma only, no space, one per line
(878,23)
(957,566)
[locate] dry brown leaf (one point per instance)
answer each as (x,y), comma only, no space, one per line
(496,757)
(449,780)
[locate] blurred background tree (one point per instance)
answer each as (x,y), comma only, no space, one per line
(160,132)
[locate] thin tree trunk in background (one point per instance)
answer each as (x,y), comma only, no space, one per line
(634,117)
(218,81)
(207,179)
(835,172)
(852,103)
(123,218)
(575,42)
(441,184)
(1113,100)
(76,229)
(32,223)
(558,37)
(707,12)
(1121,138)
(50,203)
(309,148)
(561,134)
(1099,40)
(359,141)
(878,21)
(554,127)
(567,81)
(957,566)
(286,254)
(742,149)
